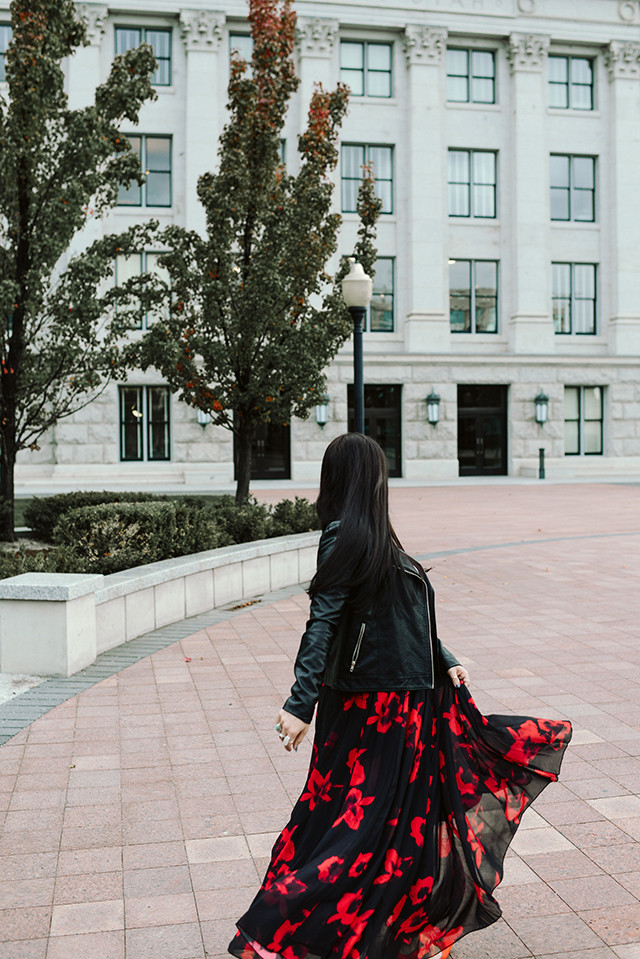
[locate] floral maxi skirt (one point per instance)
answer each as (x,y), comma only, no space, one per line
(396,845)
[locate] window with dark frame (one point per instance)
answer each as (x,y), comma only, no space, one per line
(472,184)
(574,298)
(570,82)
(242,43)
(573,187)
(5,40)
(473,296)
(132,265)
(353,157)
(583,421)
(381,313)
(155,160)
(471,75)
(366,68)
(128,38)
(145,423)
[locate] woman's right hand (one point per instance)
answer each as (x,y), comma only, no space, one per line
(291,730)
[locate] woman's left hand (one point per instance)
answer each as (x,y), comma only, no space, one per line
(458,676)
(291,730)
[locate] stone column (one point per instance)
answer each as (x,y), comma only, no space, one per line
(426,325)
(202,33)
(84,70)
(623,64)
(315,38)
(526,198)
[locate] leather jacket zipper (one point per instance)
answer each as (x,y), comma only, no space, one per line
(356,651)
(429,627)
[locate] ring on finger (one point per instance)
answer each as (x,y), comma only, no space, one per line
(286,741)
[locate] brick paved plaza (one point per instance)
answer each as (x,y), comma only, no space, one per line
(138,815)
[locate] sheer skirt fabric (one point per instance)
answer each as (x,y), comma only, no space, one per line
(397,842)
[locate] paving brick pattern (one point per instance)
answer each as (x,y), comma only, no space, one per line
(137,815)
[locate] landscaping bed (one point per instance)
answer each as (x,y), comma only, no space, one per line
(105,532)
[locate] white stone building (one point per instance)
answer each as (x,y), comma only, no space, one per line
(506,142)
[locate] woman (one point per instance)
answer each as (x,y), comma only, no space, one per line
(397,842)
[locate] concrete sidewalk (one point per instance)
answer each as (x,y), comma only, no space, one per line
(137,817)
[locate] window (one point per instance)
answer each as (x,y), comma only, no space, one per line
(473,296)
(128,267)
(5,40)
(573,188)
(381,306)
(366,68)
(382,420)
(144,423)
(583,420)
(354,157)
(472,184)
(155,159)
(573,292)
(242,44)
(471,76)
(570,83)
(128,38)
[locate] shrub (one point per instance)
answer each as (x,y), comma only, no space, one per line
(42,515)
(114,536)
(293,516)
(60,559)
(244,523)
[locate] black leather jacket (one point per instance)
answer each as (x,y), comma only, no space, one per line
(395,648)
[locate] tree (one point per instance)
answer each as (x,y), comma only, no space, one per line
(254,320)
(59,330)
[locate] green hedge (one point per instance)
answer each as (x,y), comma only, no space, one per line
(107,532)
(42,515)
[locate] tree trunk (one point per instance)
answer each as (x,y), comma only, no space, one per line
(7,491)
(244,440)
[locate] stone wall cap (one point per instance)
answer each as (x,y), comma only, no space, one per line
(55,587)
(154,574)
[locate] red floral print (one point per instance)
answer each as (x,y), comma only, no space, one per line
(360,864)
(417,825)
(392,867)
(354,811)
(330,869)
(356,767)
(420,890)
(359,700)
(318,789)
(387,712)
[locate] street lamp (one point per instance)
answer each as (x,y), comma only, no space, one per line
(356,290)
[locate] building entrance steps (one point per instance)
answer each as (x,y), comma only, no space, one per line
(137,816)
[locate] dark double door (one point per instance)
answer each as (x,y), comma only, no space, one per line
(482,430)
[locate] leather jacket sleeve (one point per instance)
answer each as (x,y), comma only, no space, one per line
(326,610)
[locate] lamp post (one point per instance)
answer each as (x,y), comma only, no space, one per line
(356,290)
(542,414)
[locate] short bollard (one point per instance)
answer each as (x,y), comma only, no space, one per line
(541,472)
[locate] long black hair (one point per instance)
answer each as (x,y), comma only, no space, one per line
(354,490)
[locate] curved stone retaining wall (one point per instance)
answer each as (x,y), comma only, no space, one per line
(54,624)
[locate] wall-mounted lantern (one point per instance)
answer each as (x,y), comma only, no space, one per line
(433,408)
(542,408)
(203,418)
(322,411)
